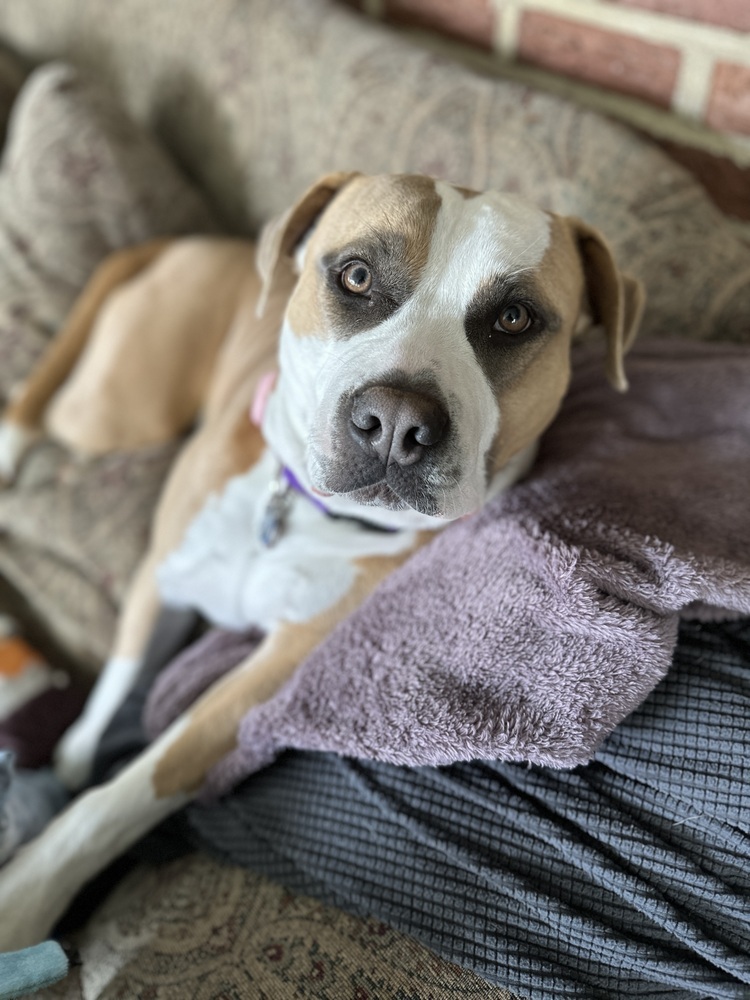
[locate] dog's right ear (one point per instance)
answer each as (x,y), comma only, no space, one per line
(281,235)
(617,299)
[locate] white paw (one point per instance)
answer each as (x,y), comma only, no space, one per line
(74,754)
(15,441)
(26,917)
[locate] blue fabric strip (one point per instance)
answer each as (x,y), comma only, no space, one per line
(24,972)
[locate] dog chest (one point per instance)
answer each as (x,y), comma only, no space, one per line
(223,569)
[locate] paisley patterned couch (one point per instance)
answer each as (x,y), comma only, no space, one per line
(251,100)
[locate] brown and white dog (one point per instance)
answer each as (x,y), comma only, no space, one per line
(425,345)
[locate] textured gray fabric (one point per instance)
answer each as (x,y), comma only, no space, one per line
(629,877)
(28,801)
(529,631)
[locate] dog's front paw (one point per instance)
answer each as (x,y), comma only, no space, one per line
(25,917)
(74,754)
(15,441)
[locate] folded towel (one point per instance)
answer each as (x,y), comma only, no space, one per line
(529,631)
(25,972)
(627,878)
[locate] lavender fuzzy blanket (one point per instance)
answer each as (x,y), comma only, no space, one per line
(528,632)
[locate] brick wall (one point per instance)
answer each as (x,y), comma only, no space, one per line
(687,60)
(691,56)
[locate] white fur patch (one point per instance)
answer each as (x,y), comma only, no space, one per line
(39,883)
(74,754)
(15,441)
(478,239)
(223,570)
(475,240)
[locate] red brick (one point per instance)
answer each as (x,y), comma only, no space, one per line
(470,20)
(729,103)
(609,58)
(727,183)
(726,13)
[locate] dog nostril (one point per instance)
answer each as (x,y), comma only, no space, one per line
(395,425)
(365,421)
(411,438)
(429,433)
(408,446)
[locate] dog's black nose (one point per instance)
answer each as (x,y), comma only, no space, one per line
(397,425)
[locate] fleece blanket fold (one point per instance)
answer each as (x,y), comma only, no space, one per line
(528,632)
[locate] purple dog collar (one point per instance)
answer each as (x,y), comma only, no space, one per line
(297,486)
(285,482)
(282,488)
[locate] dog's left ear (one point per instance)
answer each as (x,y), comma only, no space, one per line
(281,235)
(617,299)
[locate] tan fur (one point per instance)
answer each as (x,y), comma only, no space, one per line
(617,300)
(123,398)
(30,401)
(545,381)
(566,278)
(200,298)
(281,235)
(218,451)
(196,305)
(362,205)
(529,406)
(224,444)
(212,724)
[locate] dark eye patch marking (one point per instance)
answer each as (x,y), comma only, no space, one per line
(388,224)
(391,285)
(503,356)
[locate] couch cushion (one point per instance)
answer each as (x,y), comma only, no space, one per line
(316,87)
(196,928)
(11,78)
(78,179)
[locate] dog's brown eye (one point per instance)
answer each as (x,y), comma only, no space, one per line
(514,318)
(356,278)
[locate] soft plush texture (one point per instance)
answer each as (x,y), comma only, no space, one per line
(243,106)
(77,180)
(627,878)
(529,631)
(25,972)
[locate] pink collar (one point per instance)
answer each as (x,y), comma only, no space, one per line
(263,391)
(278,506)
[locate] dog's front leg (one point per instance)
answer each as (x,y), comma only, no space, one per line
(38,885)
(75,752)
(226,444)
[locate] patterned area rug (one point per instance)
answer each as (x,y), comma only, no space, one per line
(155,939)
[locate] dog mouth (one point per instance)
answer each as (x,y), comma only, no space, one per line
(391,488)
(378,495)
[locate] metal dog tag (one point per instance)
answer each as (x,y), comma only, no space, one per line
(277,510)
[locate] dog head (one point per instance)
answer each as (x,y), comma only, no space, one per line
(426,344)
